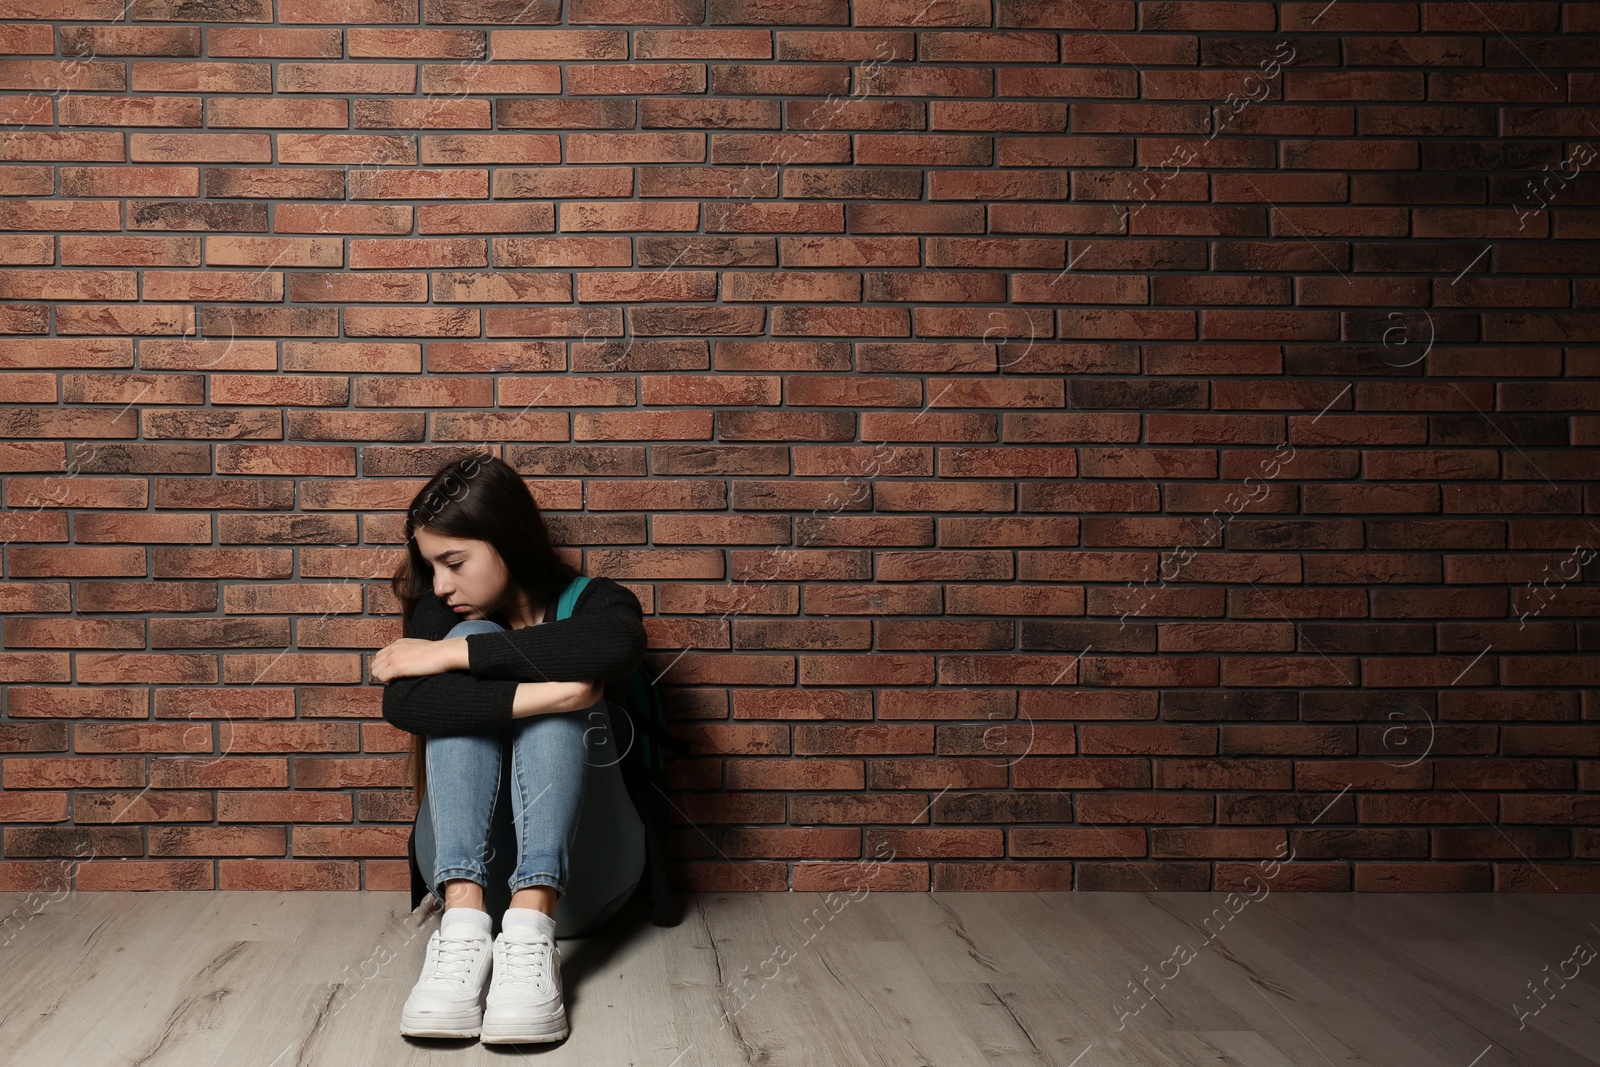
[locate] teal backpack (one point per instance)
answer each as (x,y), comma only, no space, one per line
(645,742)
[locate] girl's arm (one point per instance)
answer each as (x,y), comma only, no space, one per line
(457,703)
(604,638)
(553,698)
(519,672)
(453,702)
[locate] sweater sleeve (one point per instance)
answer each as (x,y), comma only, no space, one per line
(453,702)
(603,639)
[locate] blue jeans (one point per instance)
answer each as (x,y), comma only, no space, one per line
(559,816)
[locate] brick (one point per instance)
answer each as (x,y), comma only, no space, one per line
(229,10)
(130,181)
(1001,877)
(1299,877)
(434,113)
(1141,118)
(23,111)
(1490,18)
(145,875)
(68,285)
(362,78)
(347,11)
(341,218)
(51,145)
(417,44)
(208,76)
(200,147)
(182,215)
(424,322)
(452,184)
(1412,120)
(1205,15)
(271,114)
(361,150)
(1420,51)
(1475,86)
(130,41)
(59,215)
(21,40)
(287,875)
(420,252)
(239,41)
(1422,877)
(29,249)
(488,79)
(130,111)
(498,218)
(63,75)
(499,148)
(274,251)
(272,182)
(148,319)
(1400,18)
(213,285)
(1224,844)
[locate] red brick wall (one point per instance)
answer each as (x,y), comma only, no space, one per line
(1181,418)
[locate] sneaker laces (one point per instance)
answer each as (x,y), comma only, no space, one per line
(525,961)
(455,956)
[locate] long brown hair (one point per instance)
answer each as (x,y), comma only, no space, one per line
(483,498)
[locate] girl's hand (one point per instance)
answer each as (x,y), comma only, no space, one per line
(411,657)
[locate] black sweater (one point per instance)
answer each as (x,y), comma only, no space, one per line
(603,639)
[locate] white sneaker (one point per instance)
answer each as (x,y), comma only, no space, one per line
(445,1002)
(524,1002)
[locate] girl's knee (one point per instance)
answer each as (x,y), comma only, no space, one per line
(474,626)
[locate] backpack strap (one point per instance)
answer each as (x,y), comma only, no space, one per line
(569,596)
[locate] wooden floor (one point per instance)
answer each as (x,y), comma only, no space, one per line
(281,979)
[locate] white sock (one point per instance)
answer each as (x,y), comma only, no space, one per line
(471,918)
(531,918)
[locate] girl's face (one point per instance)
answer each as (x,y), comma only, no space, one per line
(466,572)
